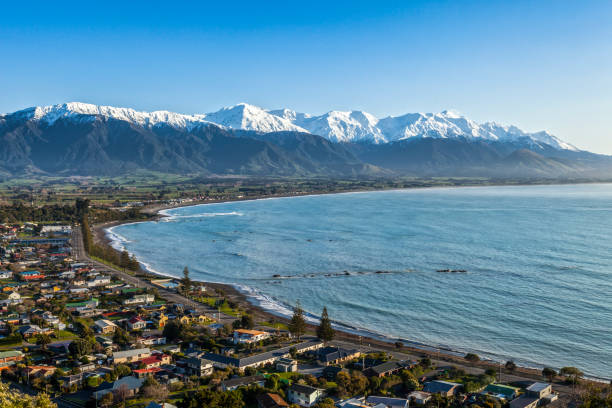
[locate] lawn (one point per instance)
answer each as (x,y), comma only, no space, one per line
(65,335)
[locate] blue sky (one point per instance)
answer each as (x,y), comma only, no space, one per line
(536,64)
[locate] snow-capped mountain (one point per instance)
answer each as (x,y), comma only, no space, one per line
(336,126)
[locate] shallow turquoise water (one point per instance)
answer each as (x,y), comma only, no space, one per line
(538,286)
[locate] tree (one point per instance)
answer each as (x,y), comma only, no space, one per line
(124,260)
(121,337)
(186,281)
(10,398)
(325,331)
(571,373)
(80,347)
(43,340)
(247,321)
(510,365)
(297,325)
(471,357)
(173,331)
(106,400)
(325,403)
(549,373)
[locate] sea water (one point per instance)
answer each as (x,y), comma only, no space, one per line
(538,259)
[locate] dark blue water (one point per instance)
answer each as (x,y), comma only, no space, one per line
(538,286)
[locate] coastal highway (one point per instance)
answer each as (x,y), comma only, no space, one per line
(80,255)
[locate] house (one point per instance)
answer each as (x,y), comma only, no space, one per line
(14,296)
(33,330)
(286,365)
(53,320)
(156,360)
(136,323)
(386,402)
(9,357)
(303,395)
(31,275)
(524,401)
(99,281)
(39,371)
(244,336)
(234,383)
(136,299)
(6,274)
(160,320)
(87,304)
(269,400)
(336,355)
(442,387)
(501,392)
(539,390)
(199,366)
(388,368)
(128,356)
(130,383)
(104,326)
(152,340)
(145,372)
(419,397)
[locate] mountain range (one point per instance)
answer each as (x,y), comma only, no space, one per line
(85,139)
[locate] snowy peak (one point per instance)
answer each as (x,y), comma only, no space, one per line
(336,126)
(249,117)
(87,112)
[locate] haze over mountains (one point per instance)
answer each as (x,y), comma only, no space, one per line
(84,139)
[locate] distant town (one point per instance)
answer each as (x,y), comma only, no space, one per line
(83,327)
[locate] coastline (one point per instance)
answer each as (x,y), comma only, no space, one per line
(344,332)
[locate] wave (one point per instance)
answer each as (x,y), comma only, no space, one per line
(117,241)
(172,218)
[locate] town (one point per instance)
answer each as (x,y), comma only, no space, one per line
(88,334)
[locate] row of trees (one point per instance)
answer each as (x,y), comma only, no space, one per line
(297,325)
(102,251)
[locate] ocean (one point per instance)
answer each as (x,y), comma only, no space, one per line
(537,285)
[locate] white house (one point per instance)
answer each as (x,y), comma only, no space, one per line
(6,274)
(303,395)
(243,336)
(145,298)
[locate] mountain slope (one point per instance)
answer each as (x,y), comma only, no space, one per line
(99,145)
(85,139)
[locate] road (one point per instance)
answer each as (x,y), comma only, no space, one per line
(80,255)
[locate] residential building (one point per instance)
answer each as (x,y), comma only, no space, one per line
(136,299)
(270,357)
(199,366)
(244,336)
(31,275)
(524,401)
(128,356)
(442,387)
(286,365)
(269,400)
(136,323)
(104,326)
(234,383)
(386,402)
(303,395)
(419,397)
(336,355)
(539,390)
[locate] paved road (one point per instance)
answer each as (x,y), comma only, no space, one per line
(81,256)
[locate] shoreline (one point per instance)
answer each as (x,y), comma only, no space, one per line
(251,302)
